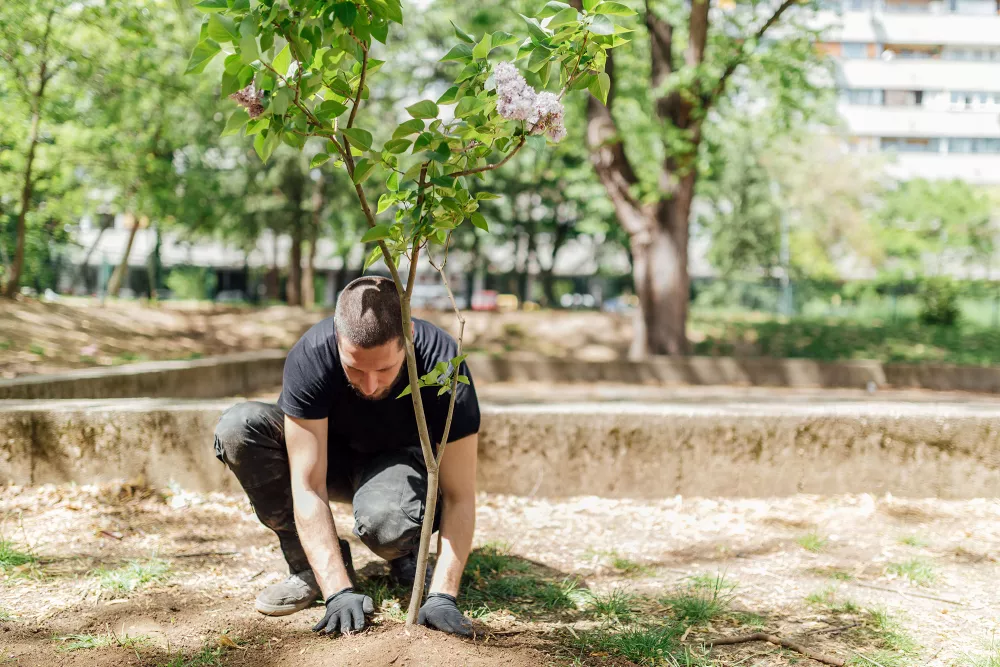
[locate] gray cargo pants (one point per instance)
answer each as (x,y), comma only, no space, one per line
(387,490)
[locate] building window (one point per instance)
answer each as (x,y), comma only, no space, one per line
(963,99)
(910,144)
(904,98)
(975,145)
(862,96)
(854,50)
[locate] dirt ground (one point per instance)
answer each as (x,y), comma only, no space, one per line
(38,337)
(930,565)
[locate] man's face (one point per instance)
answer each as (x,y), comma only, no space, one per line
(372,371)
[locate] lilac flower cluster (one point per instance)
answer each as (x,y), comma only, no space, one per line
(516,100)
(249,98)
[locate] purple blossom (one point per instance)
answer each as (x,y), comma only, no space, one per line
(249,98)
(516,100)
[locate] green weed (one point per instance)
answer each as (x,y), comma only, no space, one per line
(134,574)
(87,641)
(813,542)
(650,646)
(704,599)
(989,656)
(616,605)
(913,541)
(917,570)
(828,598)
(10,557)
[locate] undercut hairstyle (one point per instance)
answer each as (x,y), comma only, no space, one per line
(368,312)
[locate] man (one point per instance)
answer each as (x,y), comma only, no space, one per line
(339,432)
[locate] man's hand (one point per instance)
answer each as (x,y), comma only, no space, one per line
(345,611)
(441,612)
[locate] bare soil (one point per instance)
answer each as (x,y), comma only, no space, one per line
(38,337)
(201,611)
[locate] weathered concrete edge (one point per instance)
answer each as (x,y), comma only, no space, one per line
(251,372)
(578,450)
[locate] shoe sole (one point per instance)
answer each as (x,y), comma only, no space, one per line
(282,609)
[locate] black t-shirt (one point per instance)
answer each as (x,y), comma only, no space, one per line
(315,387)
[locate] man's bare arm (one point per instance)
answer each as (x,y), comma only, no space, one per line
(307,459)
(458,513)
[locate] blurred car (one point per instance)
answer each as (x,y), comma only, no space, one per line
(430,296)
(485,300)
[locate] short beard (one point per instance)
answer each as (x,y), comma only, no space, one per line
(378,396)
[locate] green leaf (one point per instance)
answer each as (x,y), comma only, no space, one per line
(395,11)
(479,221)
(265,144)
(377,233)
(330,109)
(248,49)
(233,64)
(373,257)
(441,153)
(536,142)
(422,142)
(483,196)
(538,59)
(552,8)
(564,17)
(424,109)
(280,101)
(236,121)
(393,181)
(221,28)
(257,125)
(409,127)
(201,56)
(543,74)
(384,202)
(462,35)
(501,39)
(397,146)
(601,25)
(318,160)
(482,48)
(463,379)
(458,52)
(282,61)
(341,87)
(468,106)
(600,87)
(363,169)
(407,391)
(211,6)
(449,96)
(345,12)
(380,30)
(360,138)
(534,29)
(613,9)
(443,390)
(589,5)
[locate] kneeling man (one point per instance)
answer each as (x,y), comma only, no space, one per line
(338,432)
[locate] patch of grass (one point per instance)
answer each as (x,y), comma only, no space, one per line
(880,659)
(650,646)
(493,558)
(6,615)
(836,573)
(85,641)
(617,605)
(989,656)
(11,557)
(705,598)
(919,571)
(828,598)
(134,574)
(128,357)
(5,344)
(913,541)
(36,349)
(751,621)
(386,595)
(888,632)
(206,657)
(813,542)
(494,579)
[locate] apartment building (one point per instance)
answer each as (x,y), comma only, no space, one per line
(919,81)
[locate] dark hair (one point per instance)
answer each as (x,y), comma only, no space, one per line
(368,312)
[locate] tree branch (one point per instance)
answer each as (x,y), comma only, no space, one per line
(19,75)
(720,87)
(361,85)
(461,335)
(697,32)
(491,167)
(784,643)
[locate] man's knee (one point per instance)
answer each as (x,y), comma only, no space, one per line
(385,528)
(243,431)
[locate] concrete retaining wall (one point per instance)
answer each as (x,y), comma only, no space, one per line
(948,451)
(248,373)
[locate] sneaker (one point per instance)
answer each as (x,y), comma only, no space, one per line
(403,570)
(298,591)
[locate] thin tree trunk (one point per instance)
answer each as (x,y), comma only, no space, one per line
(115,284)
(308,275)
(293,288)
(17,266)
(90,251)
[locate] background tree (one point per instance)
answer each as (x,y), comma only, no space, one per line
(678,76)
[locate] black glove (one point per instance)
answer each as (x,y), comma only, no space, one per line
(441,612)
(345,611)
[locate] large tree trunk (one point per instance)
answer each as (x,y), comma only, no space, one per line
(293,288)
(115,284)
